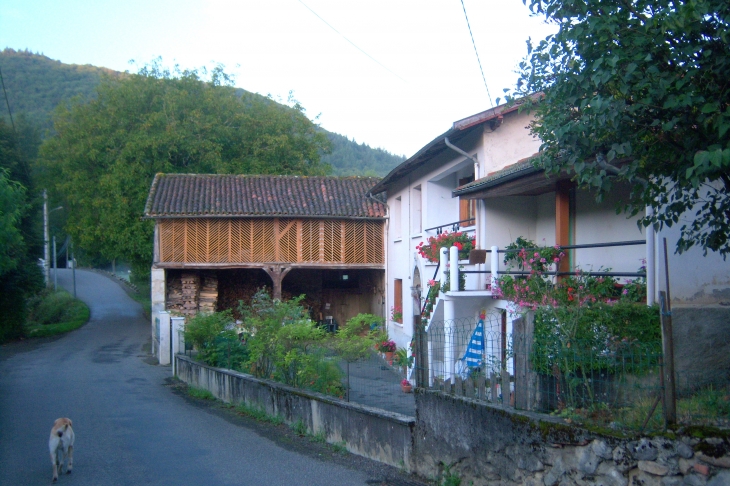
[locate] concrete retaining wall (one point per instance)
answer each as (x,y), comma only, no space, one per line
(369,432)
(480,443)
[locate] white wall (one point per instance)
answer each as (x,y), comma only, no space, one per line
(508,144)
(598,223)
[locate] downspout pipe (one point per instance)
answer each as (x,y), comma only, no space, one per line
(459,151)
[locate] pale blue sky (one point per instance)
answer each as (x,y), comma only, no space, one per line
(425,73)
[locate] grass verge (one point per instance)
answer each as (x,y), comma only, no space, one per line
(53,313)
(200,393)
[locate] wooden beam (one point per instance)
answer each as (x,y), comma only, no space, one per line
(277,274)
(562,220)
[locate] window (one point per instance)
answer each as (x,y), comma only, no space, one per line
(397,310)
(397,213)
(416,206)
(467,208)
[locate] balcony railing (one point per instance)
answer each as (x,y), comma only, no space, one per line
(455,226)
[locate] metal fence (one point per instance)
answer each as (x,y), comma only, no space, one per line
(605,382)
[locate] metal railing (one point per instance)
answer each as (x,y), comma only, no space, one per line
(454,226)
(600,380)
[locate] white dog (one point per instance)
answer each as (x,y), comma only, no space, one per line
(61,445)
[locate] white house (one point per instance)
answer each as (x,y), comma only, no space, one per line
(477,177)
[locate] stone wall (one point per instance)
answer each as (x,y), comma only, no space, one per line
(487,445)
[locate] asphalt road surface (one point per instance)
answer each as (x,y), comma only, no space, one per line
(131,427)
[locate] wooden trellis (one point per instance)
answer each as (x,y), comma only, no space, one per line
(249,240)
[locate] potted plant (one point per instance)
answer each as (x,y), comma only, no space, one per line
(387,348)
(406,386)
(396,314)
(464,242)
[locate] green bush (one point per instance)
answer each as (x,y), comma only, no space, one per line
(216,339)
(50,307)
(52,313)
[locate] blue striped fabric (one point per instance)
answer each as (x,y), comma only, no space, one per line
(474,354)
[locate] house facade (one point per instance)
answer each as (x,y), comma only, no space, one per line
(478,178)
(218,238)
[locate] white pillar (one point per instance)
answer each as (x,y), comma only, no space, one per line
(650,261)
(178,340)
(494,263)
(157,295)
(454,268)
(162,325)
(449,316)
(443,263)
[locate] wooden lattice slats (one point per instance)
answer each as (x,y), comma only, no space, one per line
(310,241)
(262,239)
(354,242)
(239,240)
(287,240)
(332,241)
(218,241)
(376,241)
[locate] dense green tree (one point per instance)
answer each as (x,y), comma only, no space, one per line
(36,84)
(637,90)
(106,151)
(20,276)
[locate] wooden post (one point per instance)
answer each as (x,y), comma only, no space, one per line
(668,355)
(562,220)
(277,274)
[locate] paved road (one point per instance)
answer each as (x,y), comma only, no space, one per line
(130,428)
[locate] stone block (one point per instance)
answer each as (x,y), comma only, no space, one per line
(622,459)
(644,450)
(702,469)
(694,480)
(685,450)
(601,449)
(720,479)
(723,462)
(637,477)
(654,468)
(685,465)
(672,480)
(587,462)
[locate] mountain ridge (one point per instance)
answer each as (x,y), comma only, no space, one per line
(35,84)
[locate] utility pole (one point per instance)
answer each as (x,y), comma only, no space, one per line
(55,266)
(46,247)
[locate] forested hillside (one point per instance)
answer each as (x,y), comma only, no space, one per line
(36,84)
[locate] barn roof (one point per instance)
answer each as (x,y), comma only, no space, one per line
(210,195)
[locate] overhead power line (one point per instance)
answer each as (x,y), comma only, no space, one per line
(7,103)
(476,52)
(352,43)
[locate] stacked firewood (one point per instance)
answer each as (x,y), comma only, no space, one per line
(190,290)
(208,296)
(174,300)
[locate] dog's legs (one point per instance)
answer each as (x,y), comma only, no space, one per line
(54,461)
(70,458)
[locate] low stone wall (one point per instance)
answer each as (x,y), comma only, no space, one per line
(485,445)
(369,432)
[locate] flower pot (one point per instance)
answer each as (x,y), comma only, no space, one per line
(389,357)
(406,388)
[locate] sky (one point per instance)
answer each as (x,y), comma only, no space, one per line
(393,74)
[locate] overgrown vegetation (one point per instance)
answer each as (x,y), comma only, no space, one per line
(20,231)
(52,313)
(276,340)
(592,335)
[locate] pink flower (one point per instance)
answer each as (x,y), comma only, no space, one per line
(556,259)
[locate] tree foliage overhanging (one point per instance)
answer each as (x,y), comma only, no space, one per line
(640,86)
(20,240)
(105,152)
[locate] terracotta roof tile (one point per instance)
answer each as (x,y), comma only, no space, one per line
(204,195)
